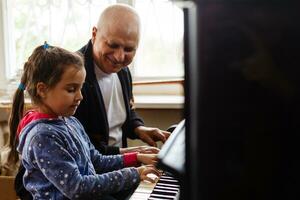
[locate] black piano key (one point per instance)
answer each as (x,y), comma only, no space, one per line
(168,181)
(168,174)
(166,188)
(159,198)
(164,192)
(168,177)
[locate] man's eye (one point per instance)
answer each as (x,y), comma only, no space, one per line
(113,46)
(129,49)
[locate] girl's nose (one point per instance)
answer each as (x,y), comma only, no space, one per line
(79,96)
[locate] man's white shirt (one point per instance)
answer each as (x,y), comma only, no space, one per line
(112,95)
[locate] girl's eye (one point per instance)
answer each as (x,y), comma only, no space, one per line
(71,90)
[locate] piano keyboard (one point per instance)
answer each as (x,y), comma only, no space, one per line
(166,187)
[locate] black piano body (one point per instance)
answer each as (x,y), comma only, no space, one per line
(242,97)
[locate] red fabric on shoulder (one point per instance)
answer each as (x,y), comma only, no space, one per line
(30,116)
(130,159)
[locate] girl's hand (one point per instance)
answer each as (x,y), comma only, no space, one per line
(140,149)
(147,159)
(148,169)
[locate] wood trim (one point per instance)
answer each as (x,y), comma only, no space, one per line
(175,81)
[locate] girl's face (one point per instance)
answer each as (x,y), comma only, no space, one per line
(64,98)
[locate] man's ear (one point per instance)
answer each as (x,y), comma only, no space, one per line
(94,33)
(41,89)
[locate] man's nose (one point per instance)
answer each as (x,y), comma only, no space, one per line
(119,55)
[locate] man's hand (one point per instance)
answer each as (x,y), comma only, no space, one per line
(151,135)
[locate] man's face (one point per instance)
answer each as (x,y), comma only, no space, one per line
(114,48)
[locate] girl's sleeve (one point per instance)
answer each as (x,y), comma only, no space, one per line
(107,162)
(49,154)
(102,163)
(112,162)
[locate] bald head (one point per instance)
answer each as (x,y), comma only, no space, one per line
(116,38)
(121,18)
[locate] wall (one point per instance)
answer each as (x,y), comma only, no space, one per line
(160,118)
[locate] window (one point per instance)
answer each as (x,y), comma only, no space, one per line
(160,55)
(68,23)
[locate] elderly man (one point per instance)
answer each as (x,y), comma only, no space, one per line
(106,111)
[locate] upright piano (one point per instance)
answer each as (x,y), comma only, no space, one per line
(242,97)
(172,162)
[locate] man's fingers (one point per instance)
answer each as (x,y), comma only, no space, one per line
(162,135)
(166,133)
(150,141)
(159,136)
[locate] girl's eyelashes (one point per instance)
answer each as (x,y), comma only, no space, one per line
(72,89)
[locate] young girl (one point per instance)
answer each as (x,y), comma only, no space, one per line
(59,159)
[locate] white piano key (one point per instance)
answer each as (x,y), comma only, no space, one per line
(168,185)
(168,177)
(139,196)
(161,195)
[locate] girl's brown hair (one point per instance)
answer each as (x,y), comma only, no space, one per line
(46,64)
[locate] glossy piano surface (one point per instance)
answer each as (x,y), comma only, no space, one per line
(172,155)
